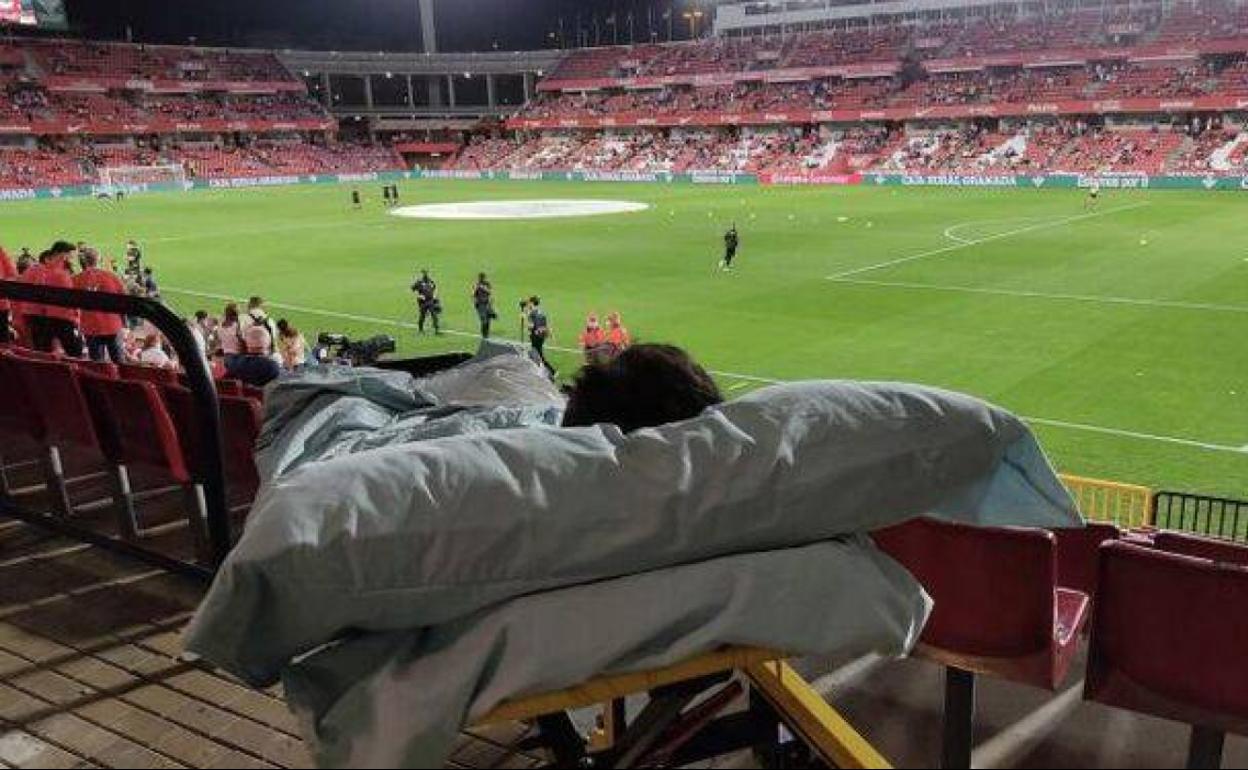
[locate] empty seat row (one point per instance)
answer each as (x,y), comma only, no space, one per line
(130,371)
(126,424)
(1167,616)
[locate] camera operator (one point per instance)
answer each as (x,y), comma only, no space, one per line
(427,301)
(483,302)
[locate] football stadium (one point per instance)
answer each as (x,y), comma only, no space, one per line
(597,383)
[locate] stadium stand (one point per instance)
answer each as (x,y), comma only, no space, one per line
(1091,90)
(740,113)
(72,107)
(897,74)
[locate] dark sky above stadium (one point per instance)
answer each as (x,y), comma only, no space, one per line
(464,25)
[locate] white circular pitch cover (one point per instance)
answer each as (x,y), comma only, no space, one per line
(535,209)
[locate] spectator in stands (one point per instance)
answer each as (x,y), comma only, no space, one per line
(24,261)
(230,334)
(256,315)
(8,272)
(216,365)
(153,353)
(255,366)
(291,346)
(645,386)
(207,326)
(102,330)
(50,324)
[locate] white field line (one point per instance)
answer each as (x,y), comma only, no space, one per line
(957,238)
(1187,442)
(951,232)
(720,373)
(987,239)
(1094,298)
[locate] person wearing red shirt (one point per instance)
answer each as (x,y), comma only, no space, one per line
(102,330)
(593,339)
(617,336)
(49,323)
(7,273)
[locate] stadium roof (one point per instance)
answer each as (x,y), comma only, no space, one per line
(391,25)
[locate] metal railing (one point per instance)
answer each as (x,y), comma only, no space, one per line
(1201,514)
(1127,506)
(207,417)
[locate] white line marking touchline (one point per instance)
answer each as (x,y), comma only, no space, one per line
(1097,298)
(987,239)
(1137,435)
(731,375)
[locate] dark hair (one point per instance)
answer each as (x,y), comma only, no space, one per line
(535,300)
(201,315)
(61,247)
(645,386)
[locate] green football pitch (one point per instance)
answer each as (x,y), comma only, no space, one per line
(1120,332)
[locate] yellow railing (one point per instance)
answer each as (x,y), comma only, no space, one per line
(1128,506)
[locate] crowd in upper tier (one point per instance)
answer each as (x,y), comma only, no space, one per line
(859,42)
(1226,77)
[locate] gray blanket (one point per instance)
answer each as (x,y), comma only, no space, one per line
(398,699)
(401,590)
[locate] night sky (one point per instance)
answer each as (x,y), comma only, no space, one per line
(374,25)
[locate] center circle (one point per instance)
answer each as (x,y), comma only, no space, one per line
(534,209)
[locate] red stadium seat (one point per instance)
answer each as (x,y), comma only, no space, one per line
(229,387)
(135,430)
(105,369)
(21,427)
(36,355)
(1223,551)
(241,421)
(1168,639)
(998,612)
(143,373)
(53,392)
(225,386)
(1078,561)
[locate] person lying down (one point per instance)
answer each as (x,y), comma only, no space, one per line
(404,586)
(643,387)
